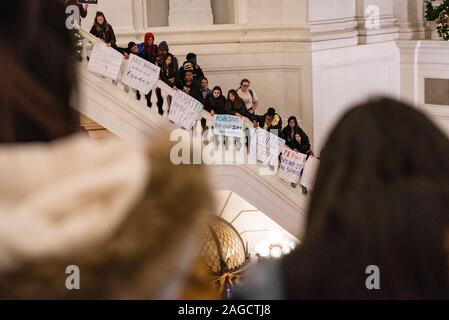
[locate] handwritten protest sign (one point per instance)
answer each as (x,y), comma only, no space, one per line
(140,74)
(105,61)
(310,172)
(265,146)
(292,163)
(229,126)
(184,110)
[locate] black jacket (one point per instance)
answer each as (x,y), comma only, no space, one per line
(198,73)
(238,106)
(107,34)
(217,105)
(303,147)
(276,125)
(169,75)
(193,88)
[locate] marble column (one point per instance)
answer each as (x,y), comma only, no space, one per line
(139,12)
(376,21)
(190,13)
(410,16)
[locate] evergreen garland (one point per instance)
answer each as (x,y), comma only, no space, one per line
(440,14)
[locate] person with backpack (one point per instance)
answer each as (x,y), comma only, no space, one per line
(248,96)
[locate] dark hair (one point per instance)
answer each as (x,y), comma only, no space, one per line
(243,81)
(105,25)
(292,118)
(190,56)
(203,78)
(217,88)
(271,112)
(234,93)
(237,104)
(37,80)
(131,44)
(163,46)
(381,198)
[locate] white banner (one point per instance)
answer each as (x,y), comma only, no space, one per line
(105,61)
(140,74)
(310,172)
(292,163)
(229,126)
(184,110)
(265,146)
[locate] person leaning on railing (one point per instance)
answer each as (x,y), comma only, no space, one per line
(103,30)
(270,121)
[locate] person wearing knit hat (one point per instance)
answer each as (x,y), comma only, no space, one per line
(197,71)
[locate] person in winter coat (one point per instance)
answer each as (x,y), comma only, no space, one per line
(163,50)
(301,143)
(295,137)
(148,49)
(103,30)
(235,105)
(215,102)
(190,86)
(168,72)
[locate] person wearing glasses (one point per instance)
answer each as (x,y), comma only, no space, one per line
(248,96)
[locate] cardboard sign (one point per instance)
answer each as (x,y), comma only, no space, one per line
(265,146)
(184,110)
(291,165)
(105,61)
(310,172)
(140,74)
(229,126)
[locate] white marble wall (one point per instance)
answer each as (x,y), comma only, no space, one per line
(190,13)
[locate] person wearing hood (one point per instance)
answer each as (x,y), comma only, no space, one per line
(148,49)
(270,121)
(123,215)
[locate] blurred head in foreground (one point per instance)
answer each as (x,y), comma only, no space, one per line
(105,207)
(381,198)
(38,74)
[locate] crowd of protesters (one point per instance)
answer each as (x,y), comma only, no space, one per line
(190,78)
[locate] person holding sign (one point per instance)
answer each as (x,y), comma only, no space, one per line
(103,30)
(235,105)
